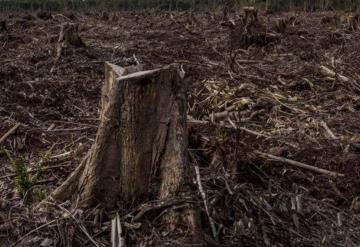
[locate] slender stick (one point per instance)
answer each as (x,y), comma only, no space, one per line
(81,226)
(32,231)
(10,131)
(299,164)
(203,195)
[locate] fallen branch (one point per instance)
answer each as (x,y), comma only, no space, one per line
(61,156)
(203,196)
(232,125)
(192,121)
(299,164)
(67,130)
(10,131)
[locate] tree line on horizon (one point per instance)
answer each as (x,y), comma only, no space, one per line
(273,5)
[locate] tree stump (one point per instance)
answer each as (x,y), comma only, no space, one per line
(69,35)
(251,14)
(140,150)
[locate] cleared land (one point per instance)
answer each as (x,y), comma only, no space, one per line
(286,85)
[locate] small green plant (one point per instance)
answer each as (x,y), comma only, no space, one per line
(24,181)
(22,177)
(221,135)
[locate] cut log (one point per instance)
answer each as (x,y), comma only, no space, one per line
(141,144)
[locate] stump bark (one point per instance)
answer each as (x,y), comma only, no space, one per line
(140,150)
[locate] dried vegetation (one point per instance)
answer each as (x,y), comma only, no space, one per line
(264,91)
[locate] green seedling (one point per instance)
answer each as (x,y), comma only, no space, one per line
(24,181)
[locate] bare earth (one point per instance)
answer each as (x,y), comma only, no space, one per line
(291,92)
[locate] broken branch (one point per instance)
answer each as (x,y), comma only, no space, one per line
(10,131)
(299,164)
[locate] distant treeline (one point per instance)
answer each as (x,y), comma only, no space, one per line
(276,5)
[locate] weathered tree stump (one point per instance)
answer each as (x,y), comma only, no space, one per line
(69,35)
(252,32)
(251,14)
(140,149)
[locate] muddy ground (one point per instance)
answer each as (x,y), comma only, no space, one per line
(286,85)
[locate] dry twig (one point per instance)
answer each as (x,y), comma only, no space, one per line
(9,132)
(203,195)
(299,164)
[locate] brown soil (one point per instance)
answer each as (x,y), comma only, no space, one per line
(276,98)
